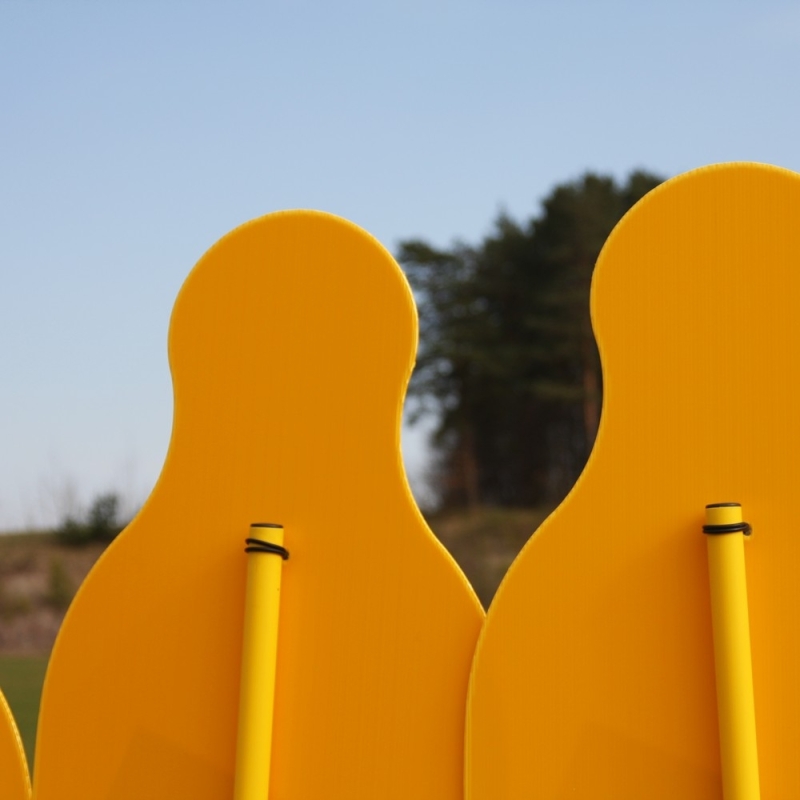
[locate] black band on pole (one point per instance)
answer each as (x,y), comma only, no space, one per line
(731,527)
(260,546)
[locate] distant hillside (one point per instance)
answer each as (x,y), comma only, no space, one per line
(38,579)
(39,576)
(486,541)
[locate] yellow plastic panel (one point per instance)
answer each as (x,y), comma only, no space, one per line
(291,344)
(14,780)
(594,675)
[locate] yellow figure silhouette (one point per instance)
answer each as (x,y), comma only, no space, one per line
(594,676)
(291,345)
(14,781)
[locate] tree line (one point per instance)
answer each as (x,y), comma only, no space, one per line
(507,362)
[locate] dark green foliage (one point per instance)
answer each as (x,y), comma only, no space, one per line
(101,523)
(507,356)
(72,531)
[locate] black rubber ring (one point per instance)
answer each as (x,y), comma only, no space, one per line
(260,546)
(731,527)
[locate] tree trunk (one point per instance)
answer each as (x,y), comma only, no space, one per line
(591,390)
(469,465)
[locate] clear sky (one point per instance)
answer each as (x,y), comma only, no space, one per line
(134,134)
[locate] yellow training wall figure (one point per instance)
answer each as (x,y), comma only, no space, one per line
(291,345)
(732,657)
(14,780)
(595,672)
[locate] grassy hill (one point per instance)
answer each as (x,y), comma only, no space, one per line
(38,579)
(486,541)
(39,576)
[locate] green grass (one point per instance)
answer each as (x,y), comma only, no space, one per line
(21,679)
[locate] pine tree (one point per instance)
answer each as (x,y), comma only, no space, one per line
(507,357)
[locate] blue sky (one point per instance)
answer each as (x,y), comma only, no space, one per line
(133,135)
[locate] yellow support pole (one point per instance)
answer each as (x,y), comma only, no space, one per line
(265,556)
(732,659)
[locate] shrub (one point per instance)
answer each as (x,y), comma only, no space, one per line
(101,523)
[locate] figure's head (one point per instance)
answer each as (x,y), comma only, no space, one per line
(294,337)
(696,317)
